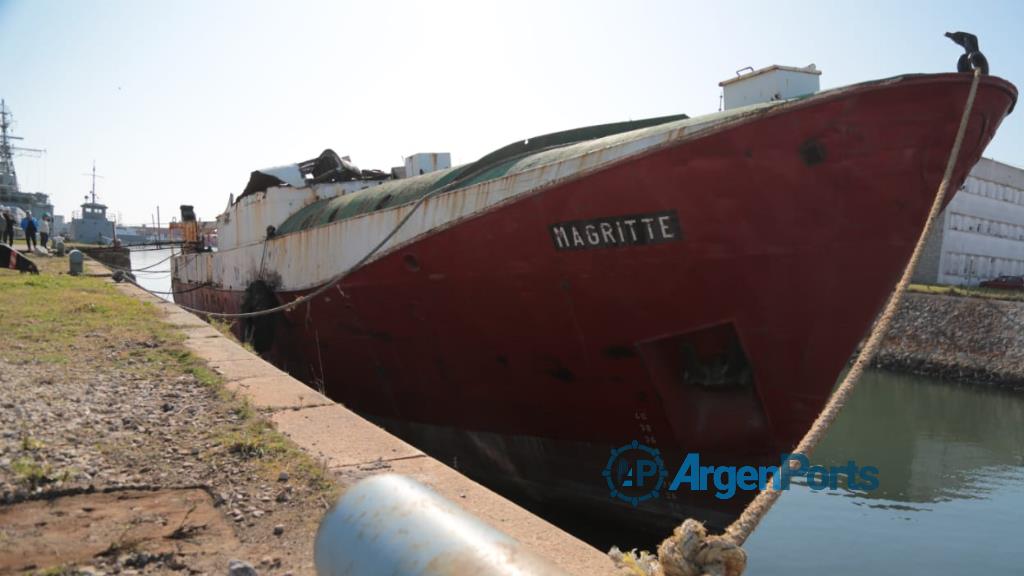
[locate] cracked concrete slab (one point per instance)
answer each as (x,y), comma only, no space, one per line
(180,318)
(201,335)
(278,392)
(240,368)
(216,348)
(340,437)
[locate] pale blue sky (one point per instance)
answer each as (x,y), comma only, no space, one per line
(178,101)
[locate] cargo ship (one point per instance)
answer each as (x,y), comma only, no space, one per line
(695,284)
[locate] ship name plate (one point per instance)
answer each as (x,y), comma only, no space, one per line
(613,231)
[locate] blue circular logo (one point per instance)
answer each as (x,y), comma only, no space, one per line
(635,473)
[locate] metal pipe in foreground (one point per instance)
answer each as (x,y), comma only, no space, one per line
(392,525)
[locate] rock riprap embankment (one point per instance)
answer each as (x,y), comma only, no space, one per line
(968,339)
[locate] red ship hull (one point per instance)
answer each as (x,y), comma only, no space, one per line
(520,356)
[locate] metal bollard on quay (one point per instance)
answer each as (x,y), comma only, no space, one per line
(76,261)
(392,525)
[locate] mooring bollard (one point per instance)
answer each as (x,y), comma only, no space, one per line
(392,525)
(75,260)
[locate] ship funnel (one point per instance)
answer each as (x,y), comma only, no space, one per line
(769,84)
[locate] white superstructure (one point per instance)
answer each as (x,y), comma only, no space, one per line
(769,85)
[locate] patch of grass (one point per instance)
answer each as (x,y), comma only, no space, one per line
(256,438)
(52,358)
(191,364)
(317,476)
(224,327)
(968,291)
(243,409)
(30,444)
(54,311)
(31,473)
(90,308)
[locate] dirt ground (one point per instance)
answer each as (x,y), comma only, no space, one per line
(121,453)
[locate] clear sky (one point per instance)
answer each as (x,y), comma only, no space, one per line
(177,101)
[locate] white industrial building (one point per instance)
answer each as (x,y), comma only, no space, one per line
(980,234)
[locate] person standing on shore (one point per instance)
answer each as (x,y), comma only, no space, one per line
(8,237)
(44,230)
(30,226)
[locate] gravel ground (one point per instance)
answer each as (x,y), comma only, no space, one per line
(967,339)
(126,411)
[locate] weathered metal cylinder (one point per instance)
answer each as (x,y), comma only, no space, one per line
(76,261)
(391,525)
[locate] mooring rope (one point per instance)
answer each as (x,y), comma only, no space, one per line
(171,292)
(689,551)
(144,268)
(155,264)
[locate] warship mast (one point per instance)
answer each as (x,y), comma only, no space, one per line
(10,192)
(8,175)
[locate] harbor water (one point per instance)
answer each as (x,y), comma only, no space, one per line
(951,486)
(154,268)
(951,479)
